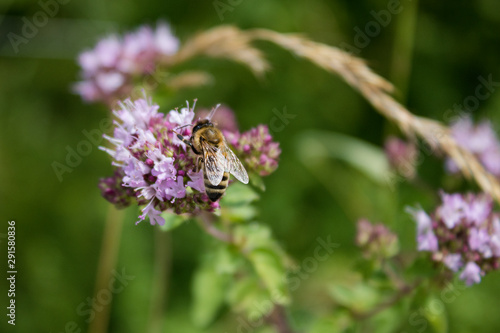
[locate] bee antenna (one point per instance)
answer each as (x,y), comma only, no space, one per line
(211,114)
(179,127)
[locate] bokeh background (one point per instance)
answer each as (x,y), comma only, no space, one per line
(433,51)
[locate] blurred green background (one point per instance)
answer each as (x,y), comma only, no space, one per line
(435,63)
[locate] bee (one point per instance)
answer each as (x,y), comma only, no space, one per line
(214,156)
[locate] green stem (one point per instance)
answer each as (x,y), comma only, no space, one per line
(107,262)
(402,53)
(162,268)
(206,222)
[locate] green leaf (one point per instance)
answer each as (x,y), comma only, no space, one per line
(436,314)
(363,156)
(257,181)
(387,321)
(172,221)
(247,295)
(340,321)
(271,270)
(253,235)
(240,213)
(238,194)
(209,292)
(360,297)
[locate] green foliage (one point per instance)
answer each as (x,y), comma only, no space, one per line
(172,221)
(210,284)
(360,297)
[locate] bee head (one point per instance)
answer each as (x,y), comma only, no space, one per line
(202,123)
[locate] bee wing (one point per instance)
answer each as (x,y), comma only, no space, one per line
(214,162)
(234,166)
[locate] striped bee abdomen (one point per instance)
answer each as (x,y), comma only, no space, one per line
(214,192)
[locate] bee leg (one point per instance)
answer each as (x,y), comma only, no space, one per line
(199,161)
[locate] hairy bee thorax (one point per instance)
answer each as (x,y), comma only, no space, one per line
(205,130)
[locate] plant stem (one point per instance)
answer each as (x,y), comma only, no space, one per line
(278,318)
(107,261)
(402,52)
(159,290)
(206,222)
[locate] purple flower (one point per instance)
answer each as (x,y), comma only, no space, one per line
(256,148)
(109,69)
(462,229)
(424,222)
(175,188)
(153,214)
(471,273)
(427,241)
(197,181)
(479,240)
(453,261)
(163,165)
(480,140)
(478,209)
(452,210)
(182,118)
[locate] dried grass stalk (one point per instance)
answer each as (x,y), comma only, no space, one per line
(189,79)
(376,90)
(226,42)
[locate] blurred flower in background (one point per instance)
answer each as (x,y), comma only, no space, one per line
(108,70)
(402,156)
(376,240)
(479,139)
(256,148)
(463,234)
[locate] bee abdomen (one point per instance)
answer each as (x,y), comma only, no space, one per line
(214,192)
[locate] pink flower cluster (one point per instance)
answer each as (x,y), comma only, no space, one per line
(463,234)
(402,156)
(154,167)
(256,149)
(479,139)
(376,240)
(109,69)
